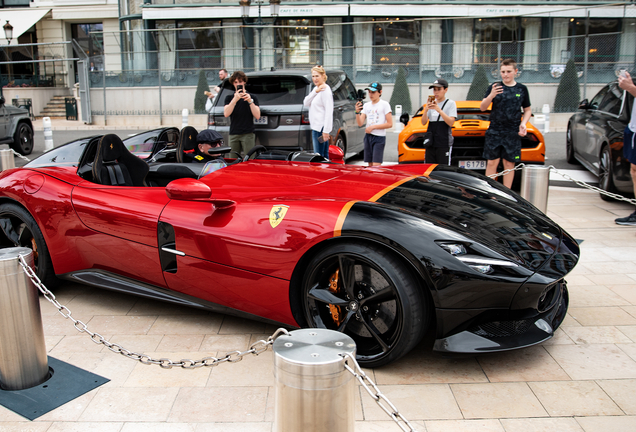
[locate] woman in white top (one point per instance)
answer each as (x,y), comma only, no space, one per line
(320,103)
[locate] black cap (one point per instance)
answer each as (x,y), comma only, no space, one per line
(209,136)
(374,86)
(439,83)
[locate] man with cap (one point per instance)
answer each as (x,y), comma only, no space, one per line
(207,139)
(377,114)
(440,114)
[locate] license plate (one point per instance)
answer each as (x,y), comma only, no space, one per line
(473,164)
(261,121)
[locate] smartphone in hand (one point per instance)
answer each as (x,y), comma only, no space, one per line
(431,98)
(240,88)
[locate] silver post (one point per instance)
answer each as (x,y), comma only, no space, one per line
(6,159)
(535,180)
(314,391)
(23,360)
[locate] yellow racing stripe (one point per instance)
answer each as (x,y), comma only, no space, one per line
(337,231)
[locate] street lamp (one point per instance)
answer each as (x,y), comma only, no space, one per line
(8,32)
(274,7)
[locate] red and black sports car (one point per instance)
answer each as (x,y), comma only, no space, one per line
(383,254)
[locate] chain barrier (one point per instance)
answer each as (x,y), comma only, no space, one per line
(552,168)
(256,348)
(376,394)
(15,153)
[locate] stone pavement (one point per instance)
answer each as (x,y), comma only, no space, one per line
(582,380)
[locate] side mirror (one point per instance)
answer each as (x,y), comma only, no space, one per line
(584,104)
(2,101)
(187,189)
(336,154)
(404,118)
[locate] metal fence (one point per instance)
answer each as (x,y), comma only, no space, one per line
(35,65)
(371,50)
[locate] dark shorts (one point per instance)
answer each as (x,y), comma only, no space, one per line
(438,155)
(374,148)
(502,144)
(628,145)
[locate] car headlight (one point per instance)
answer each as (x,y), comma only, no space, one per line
(480,264)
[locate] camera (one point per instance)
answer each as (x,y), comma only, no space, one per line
(361,95)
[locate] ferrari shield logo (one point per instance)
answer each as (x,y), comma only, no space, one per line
(277,214)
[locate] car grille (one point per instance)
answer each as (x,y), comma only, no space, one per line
(501,328)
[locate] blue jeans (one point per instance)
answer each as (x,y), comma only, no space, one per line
(322,148)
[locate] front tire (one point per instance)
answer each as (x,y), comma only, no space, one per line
(606,174)
(19,229)
(23,139)
(569,147)
(368,294)
(340,142)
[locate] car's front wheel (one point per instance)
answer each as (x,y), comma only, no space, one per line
(370,295)
(569,147)
(605,173)
(19,229)
(23,139)
(340,142)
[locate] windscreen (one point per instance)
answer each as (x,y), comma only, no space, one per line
(273,90)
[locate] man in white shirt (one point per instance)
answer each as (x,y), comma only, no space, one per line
(377,114)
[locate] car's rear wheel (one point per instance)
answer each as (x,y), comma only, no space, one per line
(19,229)
(605,173)
(23,139)
(368,294)
(569,147)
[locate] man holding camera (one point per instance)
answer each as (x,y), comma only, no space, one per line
(440,114)
(242,109)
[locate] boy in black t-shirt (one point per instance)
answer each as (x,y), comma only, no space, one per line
(242,109)
(503,137)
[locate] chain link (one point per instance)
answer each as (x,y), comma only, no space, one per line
(376,394)
(504,172)
(256,348)
(20,156)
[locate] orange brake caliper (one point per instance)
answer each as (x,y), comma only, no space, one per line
(334,287)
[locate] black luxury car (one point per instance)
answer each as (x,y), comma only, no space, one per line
(595,138)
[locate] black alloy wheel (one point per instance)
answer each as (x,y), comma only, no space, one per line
(23,139)
(368,294)
(605,173)
(19,229)
(569,147)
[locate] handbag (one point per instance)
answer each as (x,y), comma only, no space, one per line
(428,136)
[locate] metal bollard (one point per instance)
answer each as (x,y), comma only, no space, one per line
(6,159)
(23,360)
(48,134)
(398,125)
(535,180)
(314,392)
(546,113)
(184,118)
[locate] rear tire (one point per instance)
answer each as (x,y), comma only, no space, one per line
(23,139)
(19,229)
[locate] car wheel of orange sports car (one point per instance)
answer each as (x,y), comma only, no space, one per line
(18,228)
(368,294)
(605,173)
(569,147)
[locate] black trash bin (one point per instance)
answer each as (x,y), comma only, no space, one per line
(71,108)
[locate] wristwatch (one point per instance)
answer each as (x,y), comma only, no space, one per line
(251,101)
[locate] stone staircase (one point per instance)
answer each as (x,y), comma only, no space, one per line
(55,108)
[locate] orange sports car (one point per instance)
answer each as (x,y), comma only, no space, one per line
(468,131)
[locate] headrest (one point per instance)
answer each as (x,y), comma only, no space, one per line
(112,148)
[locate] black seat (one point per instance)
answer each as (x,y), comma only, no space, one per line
(187,144)
(115,165)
